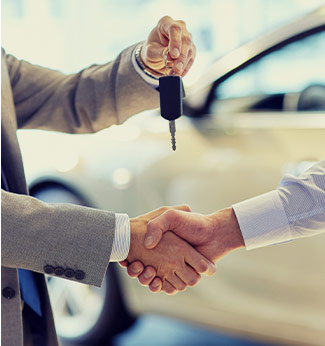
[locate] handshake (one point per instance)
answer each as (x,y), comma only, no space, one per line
(171,247)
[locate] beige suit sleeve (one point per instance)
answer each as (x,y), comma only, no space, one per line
(57,235)
(88,101)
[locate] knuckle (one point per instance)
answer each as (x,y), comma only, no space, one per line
(150,225)
(181,22)
(175,27)
(164,19)
(171,214)
(183,56)
(187,40)
(186,207)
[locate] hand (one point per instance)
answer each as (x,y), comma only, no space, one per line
(136,269)
(172,36)
(176,262)
(213,235)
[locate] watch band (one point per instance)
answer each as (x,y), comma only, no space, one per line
(149,72)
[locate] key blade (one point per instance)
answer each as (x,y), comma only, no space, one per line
(172,130)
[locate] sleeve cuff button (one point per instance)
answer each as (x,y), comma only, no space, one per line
(80,275)
(69,273)
(58,271)
(48,269)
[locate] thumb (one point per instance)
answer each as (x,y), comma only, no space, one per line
(153,235)
(158,226)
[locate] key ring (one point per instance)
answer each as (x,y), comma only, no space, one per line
(166,66)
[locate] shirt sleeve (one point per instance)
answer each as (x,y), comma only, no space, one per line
(295,209)
(121,242)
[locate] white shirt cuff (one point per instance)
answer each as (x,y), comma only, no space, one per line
(263,221)
(121,243)
(151,81)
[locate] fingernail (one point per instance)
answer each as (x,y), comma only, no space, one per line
(148,241)
(211,269)
(136,268)
(180,66)
(155,283)
(175,52)
(147,274)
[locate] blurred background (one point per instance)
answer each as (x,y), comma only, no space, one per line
(70,35)
(271,296)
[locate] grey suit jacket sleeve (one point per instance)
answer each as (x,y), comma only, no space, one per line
(37,234)
(88,101)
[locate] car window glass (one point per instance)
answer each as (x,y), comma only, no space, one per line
(289,69)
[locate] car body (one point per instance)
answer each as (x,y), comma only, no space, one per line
(256,114)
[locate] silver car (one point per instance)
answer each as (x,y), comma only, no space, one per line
(256,114)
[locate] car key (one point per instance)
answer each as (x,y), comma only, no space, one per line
(171,99)
(171,102)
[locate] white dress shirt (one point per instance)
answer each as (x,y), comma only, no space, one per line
(295,209)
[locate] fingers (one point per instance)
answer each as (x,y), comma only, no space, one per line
(189,276)
(187,54)
(161,224)
(168,287)
(124,263)
(184,207)
(177,283)
(171,31)
(175,39)
(180,280)
(154,213)
(156,285)
(147,276)
(135,269)
(180,44)
(188,66)
(199,263)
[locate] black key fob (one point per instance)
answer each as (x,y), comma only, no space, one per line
(171,97)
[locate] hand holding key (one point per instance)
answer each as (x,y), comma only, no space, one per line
(171,35)
(170,51)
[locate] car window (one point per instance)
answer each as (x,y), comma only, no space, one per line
(291,69)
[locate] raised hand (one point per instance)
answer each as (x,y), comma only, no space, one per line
(171,35)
